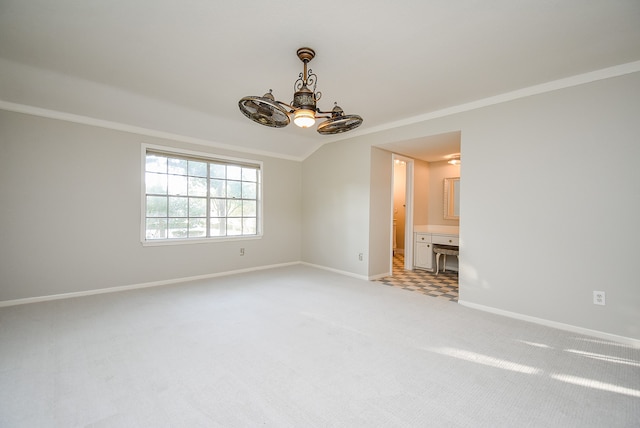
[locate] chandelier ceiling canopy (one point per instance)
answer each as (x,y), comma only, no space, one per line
(267,111)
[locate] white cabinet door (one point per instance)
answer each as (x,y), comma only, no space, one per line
(423,257)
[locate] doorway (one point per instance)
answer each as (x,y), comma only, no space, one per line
(404,171)
(419,154)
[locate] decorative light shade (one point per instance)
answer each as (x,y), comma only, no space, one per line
(267,111)
(304,118)
(455,160)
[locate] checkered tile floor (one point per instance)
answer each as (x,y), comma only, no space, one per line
(445,285)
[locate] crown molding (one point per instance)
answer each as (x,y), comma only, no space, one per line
(117,126)
(568,82)
(581,79)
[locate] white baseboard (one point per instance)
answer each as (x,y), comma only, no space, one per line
(351,274)
(341,272)
(567,327)
(135,286)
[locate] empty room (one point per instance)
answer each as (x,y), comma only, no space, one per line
(338,214)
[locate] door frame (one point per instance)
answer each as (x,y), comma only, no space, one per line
(408,211)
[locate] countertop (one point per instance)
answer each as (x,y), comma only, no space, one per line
(434,228)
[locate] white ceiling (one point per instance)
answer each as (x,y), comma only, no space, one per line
(386,61)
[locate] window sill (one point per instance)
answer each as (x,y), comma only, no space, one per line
(163,242)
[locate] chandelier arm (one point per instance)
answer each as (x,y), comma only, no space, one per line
(324,112)
(289,106)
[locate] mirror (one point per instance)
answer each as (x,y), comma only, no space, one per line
(452,198)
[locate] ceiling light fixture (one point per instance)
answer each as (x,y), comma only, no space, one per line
(267,111)
(455,160)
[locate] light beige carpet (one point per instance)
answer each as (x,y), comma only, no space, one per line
(301,347)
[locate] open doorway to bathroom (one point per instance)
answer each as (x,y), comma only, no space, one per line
(420,170)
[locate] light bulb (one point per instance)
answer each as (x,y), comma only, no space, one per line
(304,118)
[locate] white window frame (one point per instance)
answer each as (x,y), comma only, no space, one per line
(210,157)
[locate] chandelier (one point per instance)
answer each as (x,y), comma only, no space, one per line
(266,111)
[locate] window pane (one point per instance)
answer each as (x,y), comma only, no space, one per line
(156,163)
(218,208)
(249,226)
(249,174)
(197,207)
(156,228)
(188,197)
(234,172)
(234,226)
(249,190)
(197,186)
(156,206)
(177,185)
(218,188)
(198,169)
(156,183)
(177,166)
(178,228)
(178,206)
(197,227)
(248,208)
(217,227)
(234,208)
(218,171)
(234,189)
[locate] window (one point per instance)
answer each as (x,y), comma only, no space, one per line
(188,196)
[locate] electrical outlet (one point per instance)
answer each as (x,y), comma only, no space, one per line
(242,251)
(360,256)
(599,298)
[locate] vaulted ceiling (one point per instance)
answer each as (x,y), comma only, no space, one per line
(180,67)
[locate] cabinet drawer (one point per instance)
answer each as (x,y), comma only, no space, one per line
(423,237)
(445,240)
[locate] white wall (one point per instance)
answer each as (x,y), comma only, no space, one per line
(438,171)
(70,213)
(335,214)
(421,192)
(379,219)
(550,206)
(549,210)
